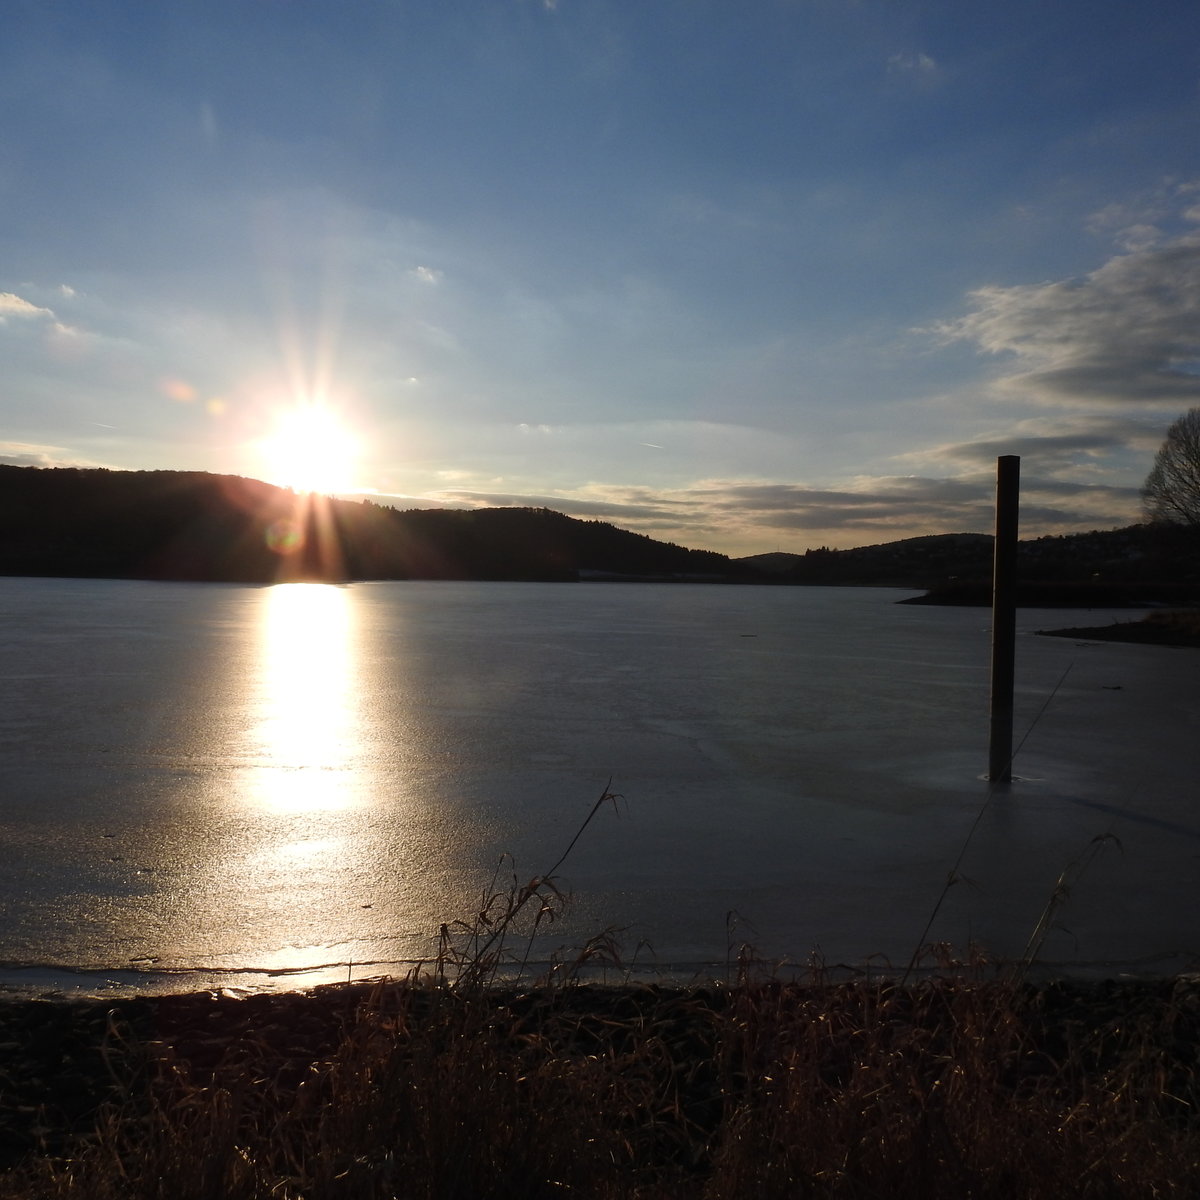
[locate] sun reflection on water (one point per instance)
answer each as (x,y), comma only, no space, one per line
(306,737)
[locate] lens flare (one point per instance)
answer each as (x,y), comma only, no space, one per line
(285,536)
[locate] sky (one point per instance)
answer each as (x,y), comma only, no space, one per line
(745,275)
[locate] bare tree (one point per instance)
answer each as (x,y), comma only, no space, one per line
(1171,493)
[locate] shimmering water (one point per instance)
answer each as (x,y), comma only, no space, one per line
(210,778)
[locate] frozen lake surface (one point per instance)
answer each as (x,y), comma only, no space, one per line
(297,783)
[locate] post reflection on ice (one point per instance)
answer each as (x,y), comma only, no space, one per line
(306,733)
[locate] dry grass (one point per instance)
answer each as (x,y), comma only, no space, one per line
(949,1088)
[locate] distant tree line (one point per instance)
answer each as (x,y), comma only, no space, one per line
(196,526)
(1129,566)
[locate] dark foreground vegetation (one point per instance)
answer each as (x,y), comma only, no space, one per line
(947,1088)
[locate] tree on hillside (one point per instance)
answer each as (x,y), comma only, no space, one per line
(1171,492)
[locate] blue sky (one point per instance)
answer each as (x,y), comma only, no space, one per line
(748,276)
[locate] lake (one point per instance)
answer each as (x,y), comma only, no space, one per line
(211,783)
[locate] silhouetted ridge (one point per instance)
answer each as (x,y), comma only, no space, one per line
(1130,566)
(189,525)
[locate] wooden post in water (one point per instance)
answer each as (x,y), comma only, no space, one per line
(1004,616)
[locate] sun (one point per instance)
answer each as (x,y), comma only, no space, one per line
(309,449)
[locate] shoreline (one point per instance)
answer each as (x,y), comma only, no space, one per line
(1167,628)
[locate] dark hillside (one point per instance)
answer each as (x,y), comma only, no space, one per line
(1106,567)
(190,525)
(195,526)
(145,524)
(912,562)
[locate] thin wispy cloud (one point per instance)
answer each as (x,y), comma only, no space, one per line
(918,63)
(21,454)
(1127,333)
(723,514)
(1065,445)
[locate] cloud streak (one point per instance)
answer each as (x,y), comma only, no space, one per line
(1074,444)
(1128,333)
(24,454)
(742,517)
(919,64)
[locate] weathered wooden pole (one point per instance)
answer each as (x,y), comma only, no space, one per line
(1004,616)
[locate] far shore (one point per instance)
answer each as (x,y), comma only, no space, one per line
(1173,628)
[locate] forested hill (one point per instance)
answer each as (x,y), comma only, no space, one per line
(1131,566)
(194,526)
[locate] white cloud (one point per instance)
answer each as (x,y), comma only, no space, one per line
(1128,333)
(11,305)
(915,64)
(1110,220)
(1139,237)
(26,454)
(427,274)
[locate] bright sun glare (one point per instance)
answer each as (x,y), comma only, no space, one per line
(310,450)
